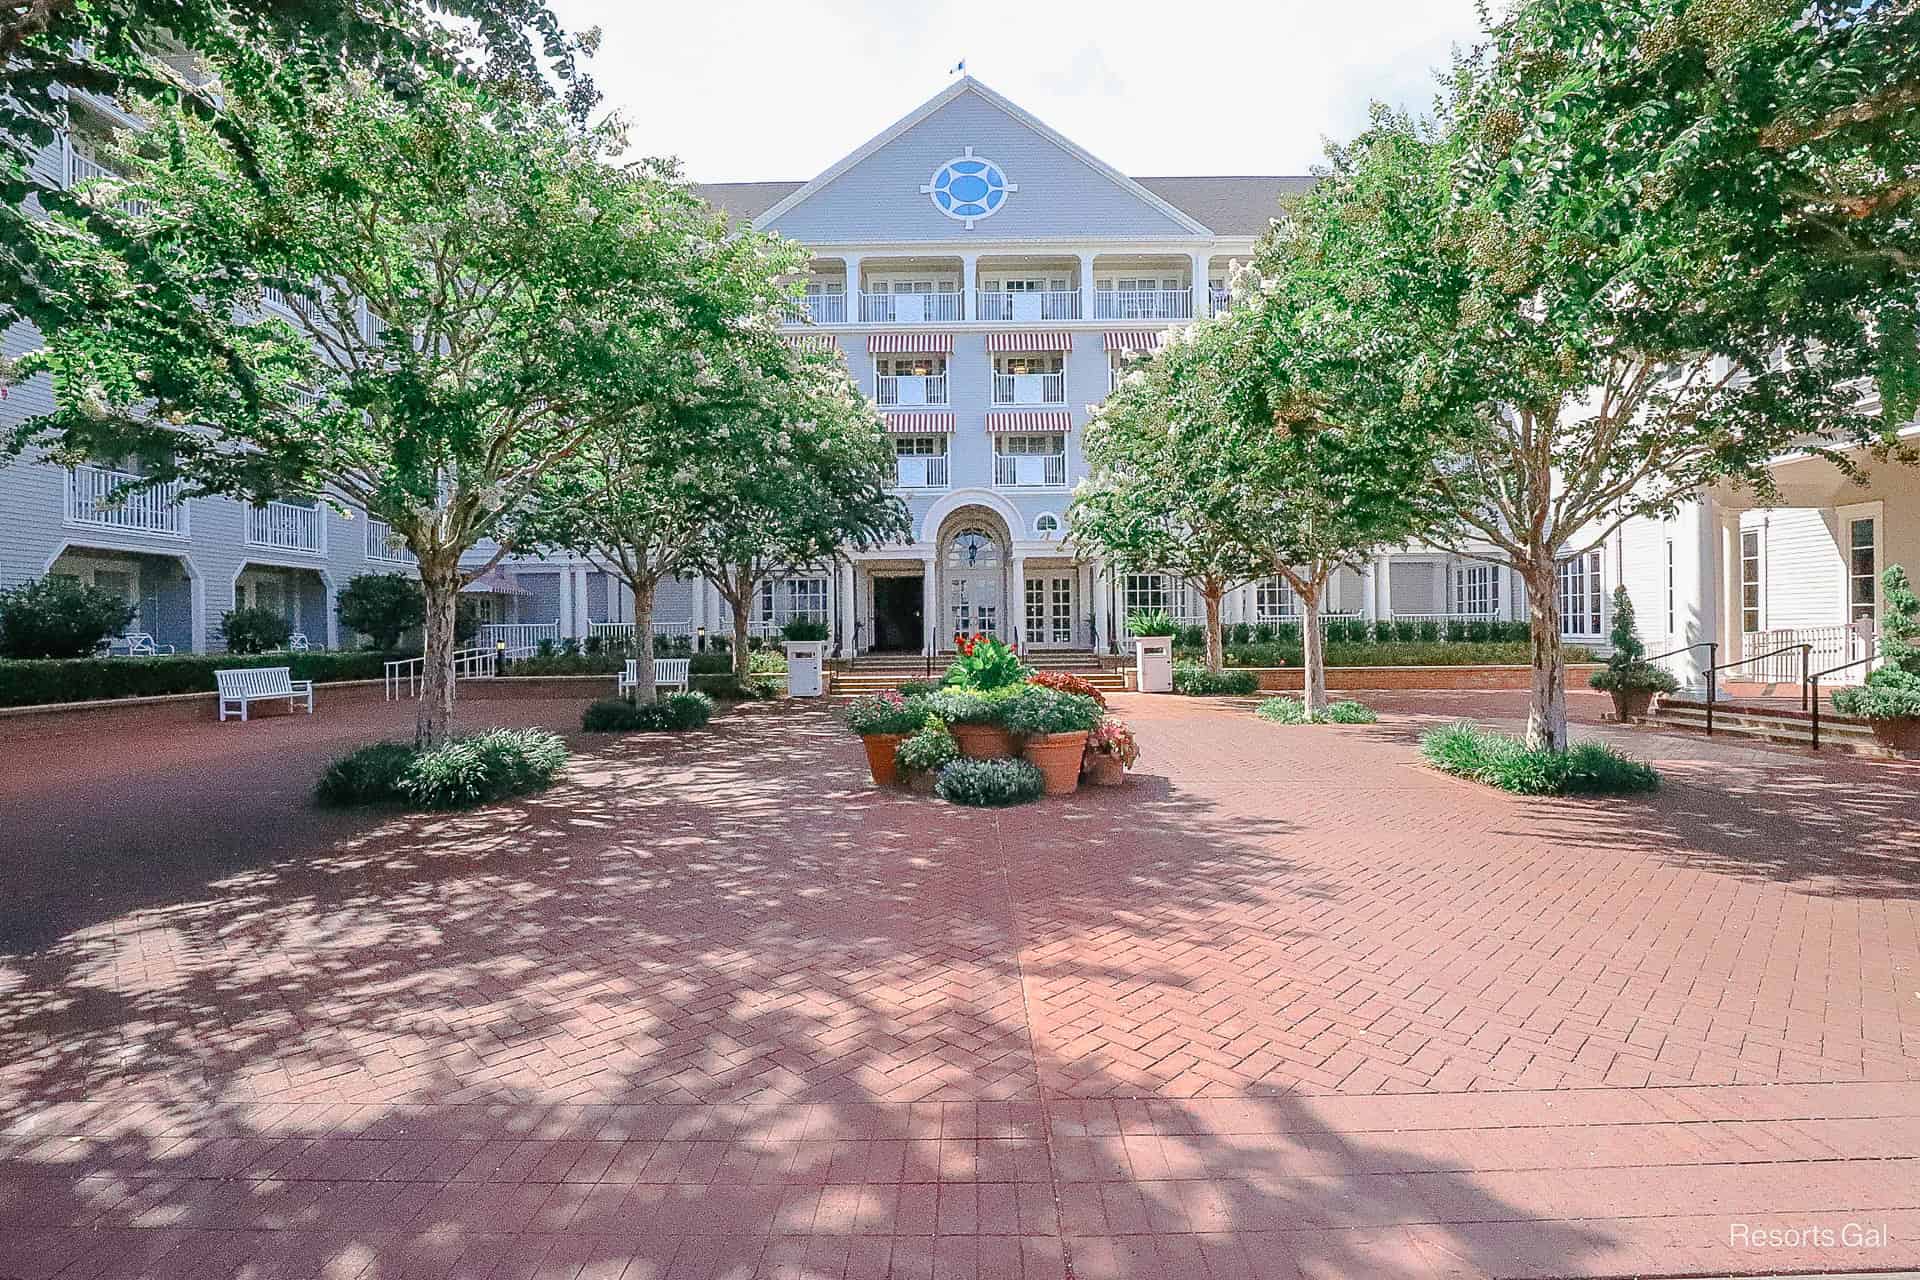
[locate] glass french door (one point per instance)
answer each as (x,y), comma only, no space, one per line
(973,606)
(1049,611)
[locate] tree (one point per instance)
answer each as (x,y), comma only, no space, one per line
(1171,465)
(382,606)
(820,482)
(474,290)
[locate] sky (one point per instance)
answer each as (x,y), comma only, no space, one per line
(743,91)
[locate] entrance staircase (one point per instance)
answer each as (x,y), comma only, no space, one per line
(876,672)
(1778,721)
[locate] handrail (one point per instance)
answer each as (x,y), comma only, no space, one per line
(1806,660)
(1813,682)
(1711,646)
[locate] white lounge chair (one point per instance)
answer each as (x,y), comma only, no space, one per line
(242,685)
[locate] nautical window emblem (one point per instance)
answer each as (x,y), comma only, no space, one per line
(968,187)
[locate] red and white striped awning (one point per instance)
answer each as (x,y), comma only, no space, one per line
(1030,420)
(1044,340)
(932,344)
(1135,339)
(919,423)
(810,341)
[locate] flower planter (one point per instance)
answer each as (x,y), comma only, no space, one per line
(1057,756)
(1104,770)
(1631,704)
(880,748)
(1902,734)
(983,741)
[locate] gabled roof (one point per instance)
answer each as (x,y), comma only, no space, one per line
(745,201)
(1230,206)
(967,84)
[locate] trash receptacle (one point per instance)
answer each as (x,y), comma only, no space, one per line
(803,667)
(1153,664)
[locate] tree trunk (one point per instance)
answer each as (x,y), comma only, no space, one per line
(1216,655)
(742,598)
(644,689)
(1313,651)
(1547,705)
(433,717)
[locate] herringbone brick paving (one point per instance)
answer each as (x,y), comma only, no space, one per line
(1288,1004)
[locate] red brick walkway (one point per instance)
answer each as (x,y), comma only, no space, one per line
(1287,1005)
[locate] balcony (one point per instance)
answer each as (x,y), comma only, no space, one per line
(1022,307)
(910,391)
(287,526)
(824,308)
(92,501)
(1219,300)
(384,544)
(922,471)
(1029,388)
(83,168)
(1030,470)
(1143,304)
(910,308)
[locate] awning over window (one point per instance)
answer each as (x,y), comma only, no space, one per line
(1034,420)
(1045,340)
(811,342)
(496,583)
(1135,339)
(931,344)
(916,424)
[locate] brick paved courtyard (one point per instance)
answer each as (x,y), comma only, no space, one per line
(1287,1005)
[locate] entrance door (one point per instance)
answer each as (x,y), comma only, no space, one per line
(1049,611)
(899,620)
(972,585)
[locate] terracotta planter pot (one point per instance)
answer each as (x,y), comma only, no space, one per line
(1631,704)
(880,748)
(1057,756)
(983,741)
(1104,770)
(1900,735)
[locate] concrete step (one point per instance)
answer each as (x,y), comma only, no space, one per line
(1784,724)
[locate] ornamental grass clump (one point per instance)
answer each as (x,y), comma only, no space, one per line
(1586,768)
(458,774)
(370,775)
(989,784)
(1294,711)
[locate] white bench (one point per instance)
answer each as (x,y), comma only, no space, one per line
(241,685)
(667,673)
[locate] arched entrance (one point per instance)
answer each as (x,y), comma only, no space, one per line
(975,549)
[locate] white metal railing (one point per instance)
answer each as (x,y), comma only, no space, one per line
(910,308)
(922,471)
(91,499)
(82,167)
(1029,470)
(1143,304)
(287,526)
(1443,619)
(515,634)
(910,389)
(622,633)
(468,664)
(1219,300)
(383,544)
(1022,307)
(1029,388)
(1831,647)
(824,308)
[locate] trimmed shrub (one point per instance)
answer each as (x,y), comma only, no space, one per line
(730,688)
(767,662)
(1627,667)
(58,618)
(254,630)
(383,607)
(565,664)
(991,784)
(1891,692)
(370,775)
(1239,633)
(1065,682)
(1194,679)
(1586,768)
(44,680)
(1888,694)
(804,629)
(483,767)
(918,688)
(1040,710)
(675,713)
(1294,711)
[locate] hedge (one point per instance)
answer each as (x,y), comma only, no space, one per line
(32,682)
(1458,653)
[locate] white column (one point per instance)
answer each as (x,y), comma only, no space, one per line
(1086,286)
(197,602)
(969,282)
(566,603)
(1200,299)
(852,261)
(1369,606)
(582,617)
(929,605)
(1017,604)
(1382,588)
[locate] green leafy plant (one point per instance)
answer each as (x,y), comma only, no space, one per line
(986,664)
(767,662)
(1892,691)
(885,712)
(1194,679)
(26,683)
(58,618)
(459,774)
(1585,768)
(254,630)
(1627,667)
(675,713)
(1152,623)
(382,607)
(804,629)
(990,784)
(928,750)
(973,706)
(919,688)
(1067,682)
(370,775)
(1294,711)
(1039,710)
(1111,737)
(730,688)
(565,664)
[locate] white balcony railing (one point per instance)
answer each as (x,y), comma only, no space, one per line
(824,308)
(287,526)
(1143,304)
(910,308)
(1219,300)
(1029,388)
(922,471)
(91,500)
(1030,470)
(906,390)
(82,167)
(1022,307)
(621,634)
(384,544)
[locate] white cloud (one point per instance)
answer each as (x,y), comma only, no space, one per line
(743,90)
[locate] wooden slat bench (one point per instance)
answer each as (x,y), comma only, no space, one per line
(241,685)
(667,673)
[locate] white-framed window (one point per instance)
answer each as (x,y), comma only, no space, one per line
(1146,593)
(1860,544)
(1476,590)
(1274,601)
(920,462)
(1672,617)
(787,599)
(973,548)
(1582,597)
(910,366)
(909,284)
(1043,444)
(1751,582)
(1015,366)
(1046,525)
(919,446)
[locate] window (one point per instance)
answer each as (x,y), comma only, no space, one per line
(973,548)
(1046,525)
(1750,580)
(1581,598)
(1030,460)
(1040,444)
(1145,593)
(1671,617)
(1015,366)
(1863,568)
(1476,590)
(911,366)
(1275,601)
(920,462)
(919,446)
(789,598)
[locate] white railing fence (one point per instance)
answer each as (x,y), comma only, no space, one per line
(84,168)
(1020,306)
(922,471)
(1219,300)
(517,634)
(384,544)
(1029,388)
(825,308)
(287,526)
(621,633)
(1143,304)
(92,499)
(910,389)
(910,308)
(404,676)
(1831,647)
(1024,470)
